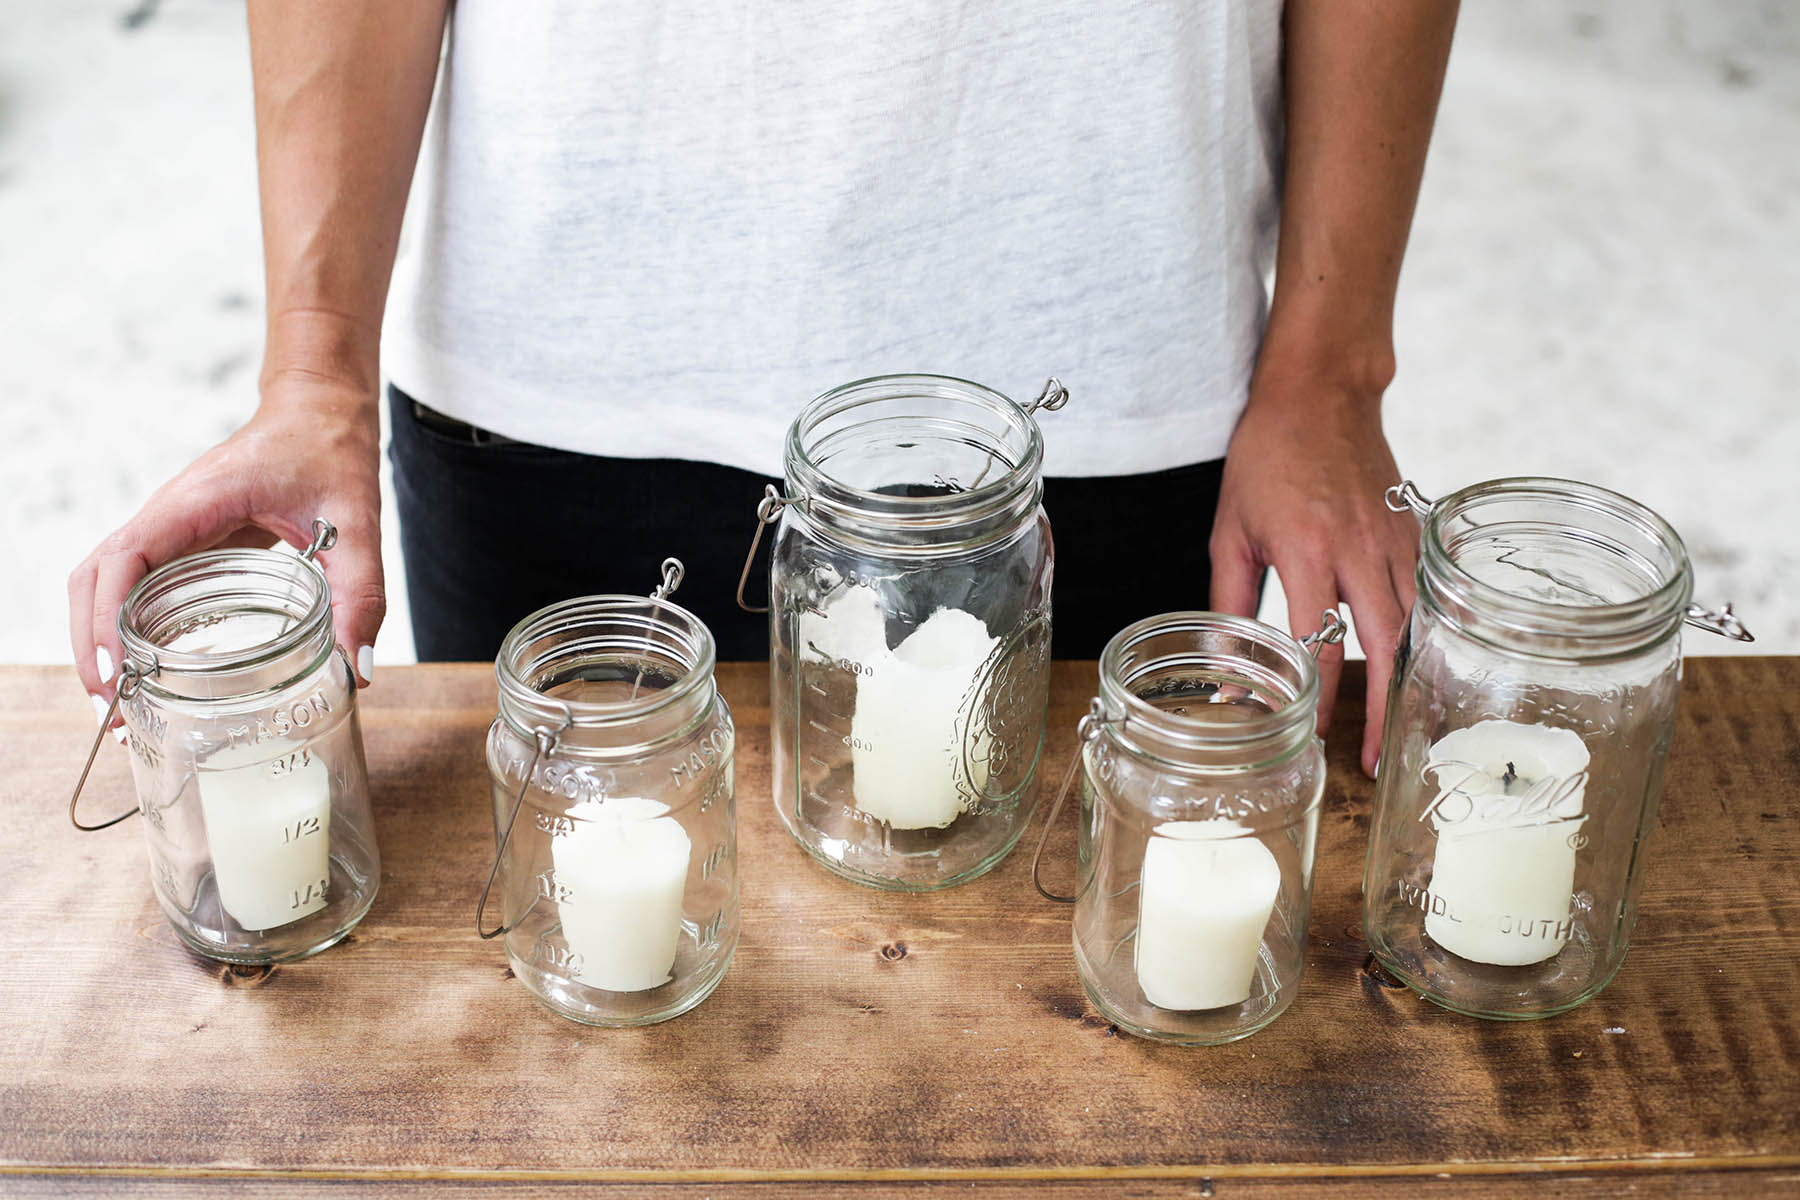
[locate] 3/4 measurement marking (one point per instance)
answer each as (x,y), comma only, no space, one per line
(287,764)
(550,889)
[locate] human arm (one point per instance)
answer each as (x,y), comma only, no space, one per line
(1308,462)
(341,89)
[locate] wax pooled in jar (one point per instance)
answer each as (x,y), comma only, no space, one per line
(622,875)
(1205,897)
(267,810)
(1507,815)
(906,749)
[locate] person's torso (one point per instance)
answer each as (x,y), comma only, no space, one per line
(656,230)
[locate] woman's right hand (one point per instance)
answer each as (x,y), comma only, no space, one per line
(312,450)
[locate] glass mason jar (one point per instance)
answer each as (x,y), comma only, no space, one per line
(1528,723)
(1201,780)
(909,627)
(247,754)
(611,766)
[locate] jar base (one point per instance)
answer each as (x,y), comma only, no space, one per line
(893,883)
(292,942)
(1269,1005)
(1457,984)
(567,999)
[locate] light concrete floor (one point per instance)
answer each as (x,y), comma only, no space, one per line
(1601,283)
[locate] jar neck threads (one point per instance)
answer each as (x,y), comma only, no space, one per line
(1208,692)
(227,624)
(918,464)
(608,675)
(1554,568)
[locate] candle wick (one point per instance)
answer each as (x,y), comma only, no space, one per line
(1507,779)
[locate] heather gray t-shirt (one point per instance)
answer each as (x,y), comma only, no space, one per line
(658,229)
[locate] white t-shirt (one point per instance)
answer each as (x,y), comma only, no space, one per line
(655,230)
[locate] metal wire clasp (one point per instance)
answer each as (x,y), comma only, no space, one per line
(324,538)
(1405,496)
(1331,631)
(129,679)
(767,509)
(1721,621)
(1089,729)
(1053,397)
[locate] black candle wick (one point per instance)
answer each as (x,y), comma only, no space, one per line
(1506,780)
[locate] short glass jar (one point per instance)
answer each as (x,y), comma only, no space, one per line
(614,811)
(1201,779)
(247,754)
(910,628)
(1528,724)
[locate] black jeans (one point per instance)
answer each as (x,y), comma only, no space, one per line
(493,530)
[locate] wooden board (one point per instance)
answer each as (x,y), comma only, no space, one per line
(864,1041)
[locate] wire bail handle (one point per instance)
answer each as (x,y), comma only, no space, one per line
(1087,731)
(1406,497)
(545,741)
(129,679)
(767,510)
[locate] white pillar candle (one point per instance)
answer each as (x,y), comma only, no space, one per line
(1207,890)
(268,828)
(621,874)
(1507,816)
(905,747)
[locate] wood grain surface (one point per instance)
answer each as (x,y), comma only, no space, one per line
(868,1043)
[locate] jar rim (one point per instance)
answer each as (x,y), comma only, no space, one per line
(819,491)
(1608,623)
(697,656)
(1118,671)
(289,569)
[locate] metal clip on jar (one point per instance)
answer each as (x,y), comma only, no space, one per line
(1201,777)
(1528,723)
(909,626)
(246,753)
(618,891)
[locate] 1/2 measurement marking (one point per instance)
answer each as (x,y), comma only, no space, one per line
(306,827)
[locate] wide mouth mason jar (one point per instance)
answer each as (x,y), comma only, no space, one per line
(1528,723)
(910,628)
(1201,783)
(247,754)
(611,766)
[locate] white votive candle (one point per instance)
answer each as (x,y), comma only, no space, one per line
(1507,815)
(268,827)
(621,874)
(1207,891)
(906,749)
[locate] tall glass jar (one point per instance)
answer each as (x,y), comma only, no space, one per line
(611,766)
(1200,788)
(910,628)
(247,754)
(1528,723)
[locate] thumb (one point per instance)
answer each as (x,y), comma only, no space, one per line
(358,591)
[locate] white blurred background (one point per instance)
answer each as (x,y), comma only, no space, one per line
(1602,281)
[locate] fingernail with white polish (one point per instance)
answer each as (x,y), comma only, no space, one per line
(100,707)
(365,663)
(103,660)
